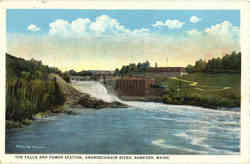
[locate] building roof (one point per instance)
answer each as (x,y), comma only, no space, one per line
(166,69)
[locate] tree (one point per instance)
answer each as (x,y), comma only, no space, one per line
(117,72)
(200,65)
(229,63)
(190,68)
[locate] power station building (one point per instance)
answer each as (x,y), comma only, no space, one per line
(165,71)
(134,86)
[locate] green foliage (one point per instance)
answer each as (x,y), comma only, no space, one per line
(126,69)
(212,90)
(32,69)
(190,69)
(200,66)
(228,63)
(117,72)
(29,90)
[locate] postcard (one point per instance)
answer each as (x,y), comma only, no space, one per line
(118,82)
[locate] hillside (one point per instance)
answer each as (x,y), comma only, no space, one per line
(34,90)
(204,89)
(29,90)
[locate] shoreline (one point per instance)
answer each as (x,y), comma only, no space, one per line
(16,124)
(11,124)
(159,100)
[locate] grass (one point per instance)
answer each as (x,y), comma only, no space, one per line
(211,82)
(210,90)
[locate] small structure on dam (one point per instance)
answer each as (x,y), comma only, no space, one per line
(134,86)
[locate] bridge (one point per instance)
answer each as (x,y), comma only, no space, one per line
(92,75)
(79,78)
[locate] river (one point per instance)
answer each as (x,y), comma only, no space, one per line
(143,128)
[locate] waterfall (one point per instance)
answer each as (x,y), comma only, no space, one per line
(99,91)
(95,89)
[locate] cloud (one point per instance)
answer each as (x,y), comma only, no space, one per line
(217,39)
(115,51)
(80,25)
(59,27)
(158,23)
(142,30)
(224,30)
(33,28)
(195,19)
(102,26)
(171,24)
(193,32)
(110,53)
(106,24)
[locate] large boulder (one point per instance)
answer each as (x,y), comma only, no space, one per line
(71,94)
(91,102)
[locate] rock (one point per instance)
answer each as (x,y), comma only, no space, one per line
(90,102)
(59,109)
(37,116)
(41,115)
(77,106)
(27,121)
(117,104)
(70,112)
(13,124)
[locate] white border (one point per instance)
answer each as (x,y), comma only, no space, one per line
(245,80)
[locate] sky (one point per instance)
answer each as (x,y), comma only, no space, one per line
(108,39)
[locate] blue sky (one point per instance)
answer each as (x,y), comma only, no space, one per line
(18,20)
(120,37)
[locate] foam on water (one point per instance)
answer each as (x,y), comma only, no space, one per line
(206,122)
(98,90)
(162,143)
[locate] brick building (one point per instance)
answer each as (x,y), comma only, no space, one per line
(134,86)
(165,71)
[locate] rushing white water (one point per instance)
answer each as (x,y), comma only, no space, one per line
(99,91)
(94,89)
(142,128)
(206,122)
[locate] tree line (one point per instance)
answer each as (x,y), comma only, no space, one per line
(126,69)
(230,63)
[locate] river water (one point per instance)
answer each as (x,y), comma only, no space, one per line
(143,128)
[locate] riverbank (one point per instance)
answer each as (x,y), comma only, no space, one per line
(195,104)
(218,91)
(73,99)
(195,130)
(215,91)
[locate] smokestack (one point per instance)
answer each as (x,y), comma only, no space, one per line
(156,65)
